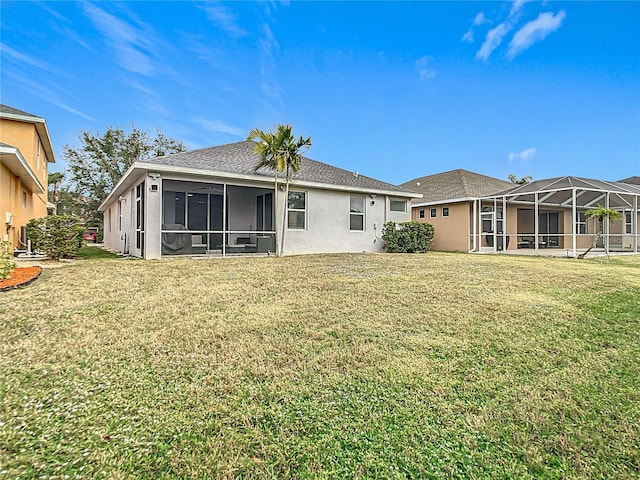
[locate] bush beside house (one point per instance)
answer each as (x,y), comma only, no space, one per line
(59,236)
(6,260)
(407,237)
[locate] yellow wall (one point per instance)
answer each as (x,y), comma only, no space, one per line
(15,196)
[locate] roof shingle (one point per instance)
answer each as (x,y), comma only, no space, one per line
(455,184)
(240,158)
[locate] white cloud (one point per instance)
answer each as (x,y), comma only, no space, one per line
(534,31)
(221,127)
(19,57)
(425,69)
(269,85)
(523,156)
(50,95)
(480,19)
(517,6)
(133,47)
(468,37)
(224,18)
(493,40)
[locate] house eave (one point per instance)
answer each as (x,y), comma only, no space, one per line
(18,165)
(40,125)
(443,202)
(170,169)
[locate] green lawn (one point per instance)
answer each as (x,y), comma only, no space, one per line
(341,366)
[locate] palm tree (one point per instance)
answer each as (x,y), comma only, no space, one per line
(520,181)
(55,179)
(601,214)
(280,151)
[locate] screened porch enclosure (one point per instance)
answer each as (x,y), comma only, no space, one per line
(216,219)
(552,214)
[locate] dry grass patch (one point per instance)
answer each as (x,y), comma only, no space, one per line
(390,366)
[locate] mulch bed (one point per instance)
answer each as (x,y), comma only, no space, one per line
(20,277)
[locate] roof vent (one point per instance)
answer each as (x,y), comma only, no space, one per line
(356,174)
(417,184)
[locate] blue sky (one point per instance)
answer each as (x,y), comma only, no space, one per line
(392,90)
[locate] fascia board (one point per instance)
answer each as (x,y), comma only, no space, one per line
(152,167)
(443,202)
(26,172)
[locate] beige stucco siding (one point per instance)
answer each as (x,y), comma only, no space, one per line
(451,232)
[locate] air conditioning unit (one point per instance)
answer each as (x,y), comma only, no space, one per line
(8,218)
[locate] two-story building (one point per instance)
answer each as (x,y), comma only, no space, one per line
(25,154)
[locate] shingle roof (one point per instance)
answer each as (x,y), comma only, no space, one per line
(634,180)
(15,111)
(240,158)
(455,184)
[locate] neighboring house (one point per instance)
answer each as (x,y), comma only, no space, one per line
(25,153)
(544,214)
(212,202)
(447,203)
(632,180)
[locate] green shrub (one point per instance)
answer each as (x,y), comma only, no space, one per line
(59,236)
(6,260)
(407,237)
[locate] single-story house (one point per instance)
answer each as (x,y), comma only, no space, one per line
(544,214)
(447,203)
(213,202)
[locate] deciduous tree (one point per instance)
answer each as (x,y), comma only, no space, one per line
(101,159)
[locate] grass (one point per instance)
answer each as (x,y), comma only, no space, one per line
(90,252)
(337,366)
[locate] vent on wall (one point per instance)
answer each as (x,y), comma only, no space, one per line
(9,218)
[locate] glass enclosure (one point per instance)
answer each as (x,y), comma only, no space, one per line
(216,219)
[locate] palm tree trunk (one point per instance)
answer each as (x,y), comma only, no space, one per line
(274,213)
(593,245)
(284,214)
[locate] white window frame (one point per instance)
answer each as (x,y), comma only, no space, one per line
(360,214)
(443,212)
(398,200)
(433,212)
(306,197)
(628,221)
(581,223)
(119,215)
(421,213)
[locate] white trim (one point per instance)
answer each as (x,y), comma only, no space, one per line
(27,176)
(152,167)
(441,202)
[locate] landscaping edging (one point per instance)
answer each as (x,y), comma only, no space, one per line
(20,277)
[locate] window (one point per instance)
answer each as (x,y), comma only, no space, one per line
(356,213)
(119,215)
(581,223)
(109,221)
(398,205)
(38,156)
(433,212)
(445,211)
(296,210)
(421,213)
(627,222)
(24,199)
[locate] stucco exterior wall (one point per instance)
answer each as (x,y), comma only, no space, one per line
(452,232)
(327,224)
(120,236)
(327,220)
(15,197)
